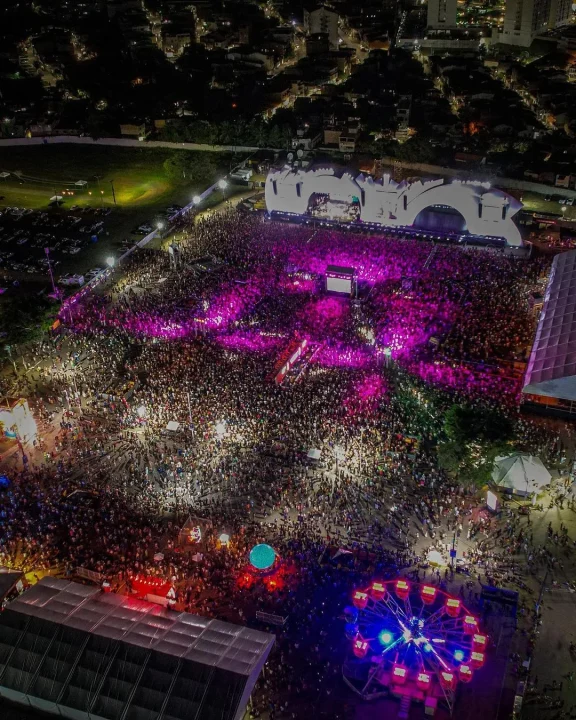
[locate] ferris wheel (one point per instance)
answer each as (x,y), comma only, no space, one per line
(412,641)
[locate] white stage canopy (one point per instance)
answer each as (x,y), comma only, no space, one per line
(523,474)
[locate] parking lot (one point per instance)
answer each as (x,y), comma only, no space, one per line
(79,238)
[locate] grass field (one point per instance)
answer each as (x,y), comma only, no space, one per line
(142,187)
(137,175)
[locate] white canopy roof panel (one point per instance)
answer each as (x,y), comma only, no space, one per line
(552,366)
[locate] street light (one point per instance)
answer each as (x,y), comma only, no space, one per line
(159,225)
(563,208)
(196,199)
(110,261)
(222,184)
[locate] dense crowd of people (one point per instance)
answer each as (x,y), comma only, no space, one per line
(161,389)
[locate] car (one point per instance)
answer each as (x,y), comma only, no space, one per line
(561,201)
(92,273)
(569,201)
(548,198)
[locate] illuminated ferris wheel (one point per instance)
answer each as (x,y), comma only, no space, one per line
(411,641)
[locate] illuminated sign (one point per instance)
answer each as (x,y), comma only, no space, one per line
(195,535)
(491,500)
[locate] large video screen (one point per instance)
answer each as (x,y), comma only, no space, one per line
(339,285)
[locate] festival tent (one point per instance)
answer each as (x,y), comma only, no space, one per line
(522,474)
(76,652)
(551,372)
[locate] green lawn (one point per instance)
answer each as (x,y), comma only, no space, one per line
(138,175)
(142,186)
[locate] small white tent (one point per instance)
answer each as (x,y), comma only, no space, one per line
(523,474)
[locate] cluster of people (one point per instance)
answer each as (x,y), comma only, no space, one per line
(156,403)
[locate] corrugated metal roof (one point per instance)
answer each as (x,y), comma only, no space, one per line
(551,369)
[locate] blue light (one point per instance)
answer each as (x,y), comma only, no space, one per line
(262,557)
(458,655)
(385,637)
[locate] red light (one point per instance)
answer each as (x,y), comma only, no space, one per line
(378,590)
(360,648)
(465,673)
(423,680)
(399,674)
(402,588)
(428,593)
(448,679)
(480,640)
(360,599)
(477,659)
(453,607)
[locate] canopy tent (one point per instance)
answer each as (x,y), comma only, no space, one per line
(313,454)
(551,371)
(522,474)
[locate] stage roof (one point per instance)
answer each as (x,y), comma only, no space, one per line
(338,269)
(552,366)
(72,650)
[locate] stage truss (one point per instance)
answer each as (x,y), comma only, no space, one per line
(411,640)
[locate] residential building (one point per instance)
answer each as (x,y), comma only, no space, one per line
(132,130)
(306,139)
(441,13)
(322,20)
(526,19)
(317,44)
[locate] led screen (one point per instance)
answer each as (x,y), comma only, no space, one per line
(339,285)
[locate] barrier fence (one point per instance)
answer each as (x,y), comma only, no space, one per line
(270,618)
(91,575)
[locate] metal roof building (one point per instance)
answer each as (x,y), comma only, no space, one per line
(72,650)
(550,379)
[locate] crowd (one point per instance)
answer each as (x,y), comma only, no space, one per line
(192,343)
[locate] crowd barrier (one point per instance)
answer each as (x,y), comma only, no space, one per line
(270,618)
(91,575)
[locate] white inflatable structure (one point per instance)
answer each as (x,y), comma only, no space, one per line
(487,212)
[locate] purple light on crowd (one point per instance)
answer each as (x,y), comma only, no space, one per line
(325,314)
(251,342)
(365,394)
(343,356)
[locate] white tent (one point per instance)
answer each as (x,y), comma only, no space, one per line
(313,454)
(523,474)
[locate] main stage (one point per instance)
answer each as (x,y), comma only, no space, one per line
(327,196)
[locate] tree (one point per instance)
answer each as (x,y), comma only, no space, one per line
(465,424)
(476,436)
(188,167)
(25,319)
(451,456)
